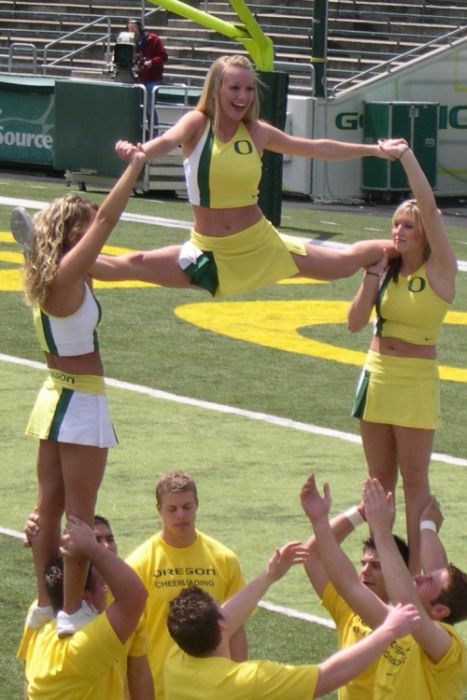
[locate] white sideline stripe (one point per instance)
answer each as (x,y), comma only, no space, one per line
(243,412)
(139,218)
(271,607)
(290,612)
(11,533)
(174,223)
(221,408)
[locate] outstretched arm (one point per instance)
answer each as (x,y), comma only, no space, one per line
(78,261)
(238,645)
(352,661)
(433,638)
(340,569)
(442,265)
(272,139)
(241,605)
(186,130)
(139,678)
(432,553)
(341,525)
(78,541)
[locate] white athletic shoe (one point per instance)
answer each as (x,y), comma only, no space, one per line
(22,227)
(39,615)
(69,624)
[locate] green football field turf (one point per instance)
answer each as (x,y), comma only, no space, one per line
(281,352)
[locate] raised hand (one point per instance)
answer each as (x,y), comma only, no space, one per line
(432,511)
(379,505)
(403,619)
(31,527)
(126,150)
(78,539)
(285,557)
(315,505)
(393,148)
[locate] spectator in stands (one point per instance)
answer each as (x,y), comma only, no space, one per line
(70,417)
(397,398)
(176,557)
(233,248)
(150,58)
(203,668)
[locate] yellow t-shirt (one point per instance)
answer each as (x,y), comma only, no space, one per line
(350,630)
(165,571)
(405,672)
(86,665)
(215,677)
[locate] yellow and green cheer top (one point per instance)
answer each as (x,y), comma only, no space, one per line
(223,175)
(409,309)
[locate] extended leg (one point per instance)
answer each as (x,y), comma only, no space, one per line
(51,503)
(158,266)
(83,469)
(414,449)
(380,447)
(330,264)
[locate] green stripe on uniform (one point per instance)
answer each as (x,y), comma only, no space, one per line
(60,412)
(358,406)
(49,338)
(203,170)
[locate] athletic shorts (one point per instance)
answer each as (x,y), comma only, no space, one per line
(243,261)
(72,408)
(401,391)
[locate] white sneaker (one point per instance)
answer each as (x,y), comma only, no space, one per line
(22,227)
(69,624)
(39,615)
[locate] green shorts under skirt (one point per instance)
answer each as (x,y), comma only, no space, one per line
(249,259)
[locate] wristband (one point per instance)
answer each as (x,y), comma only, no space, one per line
(375,274)
(355,517)
(428,525)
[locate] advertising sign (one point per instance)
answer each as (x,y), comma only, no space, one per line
(26,120)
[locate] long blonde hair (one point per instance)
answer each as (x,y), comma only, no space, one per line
(208,102)
(56,230)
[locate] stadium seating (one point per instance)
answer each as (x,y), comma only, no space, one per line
(361,36)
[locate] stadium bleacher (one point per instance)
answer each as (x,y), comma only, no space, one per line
(76,38)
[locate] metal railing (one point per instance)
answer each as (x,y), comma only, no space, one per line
(104,38)
(43,61)
(387,66)
(21,47)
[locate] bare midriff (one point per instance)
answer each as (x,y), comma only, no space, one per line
(76,364)
(401,348)
(224,222)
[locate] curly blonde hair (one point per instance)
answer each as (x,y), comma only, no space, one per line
(56,230)
(208,102)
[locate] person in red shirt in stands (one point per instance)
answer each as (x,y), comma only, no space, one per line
(150,58)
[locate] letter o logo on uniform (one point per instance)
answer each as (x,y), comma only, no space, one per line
(417,284)
(243,148)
